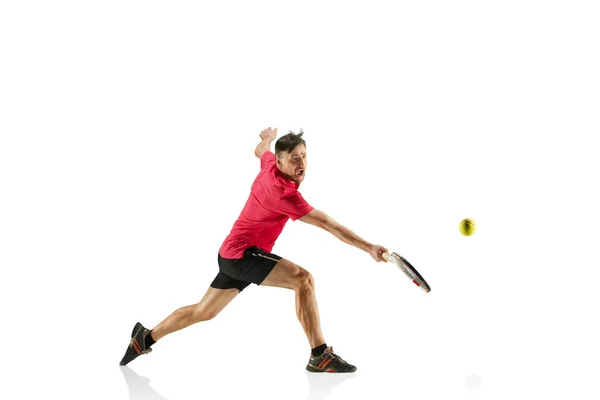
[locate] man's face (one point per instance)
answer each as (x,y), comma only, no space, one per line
(293,165)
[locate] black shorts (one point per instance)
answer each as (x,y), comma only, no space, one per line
(238,273)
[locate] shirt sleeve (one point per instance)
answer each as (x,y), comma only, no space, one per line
(266,158)
(293,205)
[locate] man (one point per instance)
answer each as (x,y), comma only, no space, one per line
(245,256)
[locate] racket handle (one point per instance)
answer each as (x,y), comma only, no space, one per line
(386,256)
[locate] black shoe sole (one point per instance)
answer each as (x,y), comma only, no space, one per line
(310,368)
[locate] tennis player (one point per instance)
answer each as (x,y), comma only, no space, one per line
(245,256)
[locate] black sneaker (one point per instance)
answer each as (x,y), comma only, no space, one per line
(329,362)
(137,344)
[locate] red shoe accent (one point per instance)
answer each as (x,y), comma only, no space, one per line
(136,346)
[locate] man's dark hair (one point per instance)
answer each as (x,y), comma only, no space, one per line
(289,142)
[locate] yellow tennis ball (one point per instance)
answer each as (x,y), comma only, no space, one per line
(467,227)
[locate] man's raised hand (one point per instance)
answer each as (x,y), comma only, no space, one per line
(268,133)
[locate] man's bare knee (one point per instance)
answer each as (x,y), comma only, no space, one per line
(304,280)
(203,314)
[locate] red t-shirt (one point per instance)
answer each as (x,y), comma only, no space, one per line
(273,200)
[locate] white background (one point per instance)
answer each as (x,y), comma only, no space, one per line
(127,152)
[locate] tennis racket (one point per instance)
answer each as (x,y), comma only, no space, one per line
(408,270)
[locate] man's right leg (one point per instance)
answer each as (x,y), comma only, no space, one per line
(288,275)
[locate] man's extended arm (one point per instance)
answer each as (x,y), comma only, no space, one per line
(324,221)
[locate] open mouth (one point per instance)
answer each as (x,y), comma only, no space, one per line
(300,173)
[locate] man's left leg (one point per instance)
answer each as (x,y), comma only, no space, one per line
(212,303)
(214,300)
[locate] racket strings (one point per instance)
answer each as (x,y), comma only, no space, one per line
(398,261)
(408,271)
